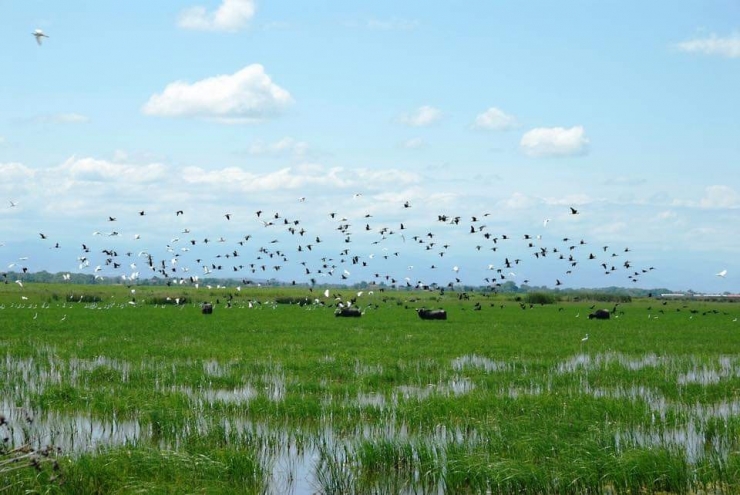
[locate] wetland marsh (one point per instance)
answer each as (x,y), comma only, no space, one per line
(275,398)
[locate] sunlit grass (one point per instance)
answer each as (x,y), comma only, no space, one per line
(154,396)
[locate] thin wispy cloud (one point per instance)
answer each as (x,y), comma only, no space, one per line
(286,146)
(246,96)
(495,119)
(62,118)
(231,15)
(421,117)
(720,197)
(554,142)
(728,46)
(392,24)
(413,143)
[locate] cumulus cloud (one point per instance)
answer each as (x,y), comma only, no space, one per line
(494,119)
(14,171)
(554,142)
(421,117)
(720,197)
(231,15)
(248,95)
(96,170)
(728,47)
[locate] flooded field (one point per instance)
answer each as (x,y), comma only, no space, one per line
(320,406)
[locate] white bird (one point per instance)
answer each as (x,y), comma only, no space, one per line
(545,222)
(722,273)
(585,339)
(13,204)
(39,34)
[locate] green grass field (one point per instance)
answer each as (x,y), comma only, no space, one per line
(274,398)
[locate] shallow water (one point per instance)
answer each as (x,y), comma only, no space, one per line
(297,459)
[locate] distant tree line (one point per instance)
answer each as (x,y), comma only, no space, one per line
(606,294)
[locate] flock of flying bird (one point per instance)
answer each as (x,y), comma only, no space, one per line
(568,251)
(333,265)
(333,250)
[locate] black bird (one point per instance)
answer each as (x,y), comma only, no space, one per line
(573,211)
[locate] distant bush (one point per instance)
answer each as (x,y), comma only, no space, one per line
(84,298)
(540,298)
(162,300)
(602,297)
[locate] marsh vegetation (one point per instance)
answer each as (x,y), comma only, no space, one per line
(263,397)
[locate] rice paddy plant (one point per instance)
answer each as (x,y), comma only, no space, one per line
(143,470)
(334,472)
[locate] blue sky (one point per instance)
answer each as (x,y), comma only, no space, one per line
(626,111)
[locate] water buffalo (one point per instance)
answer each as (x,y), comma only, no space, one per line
(348,312)
(432,314)
(600,314)
(206,308)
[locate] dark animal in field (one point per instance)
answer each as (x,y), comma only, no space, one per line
(432,314)
(348,312)
(206,308)
(600,314)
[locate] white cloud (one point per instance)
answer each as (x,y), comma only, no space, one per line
(95,170)
(495,119)
(292,178)
(248,95)
(231,15)
(713,45)
(13,172)
(554,141)
(284,146)
(720,197)
(421,117)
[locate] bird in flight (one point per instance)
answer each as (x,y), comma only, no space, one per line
(722,273)
(573,211)
(13,204)
(39,34)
